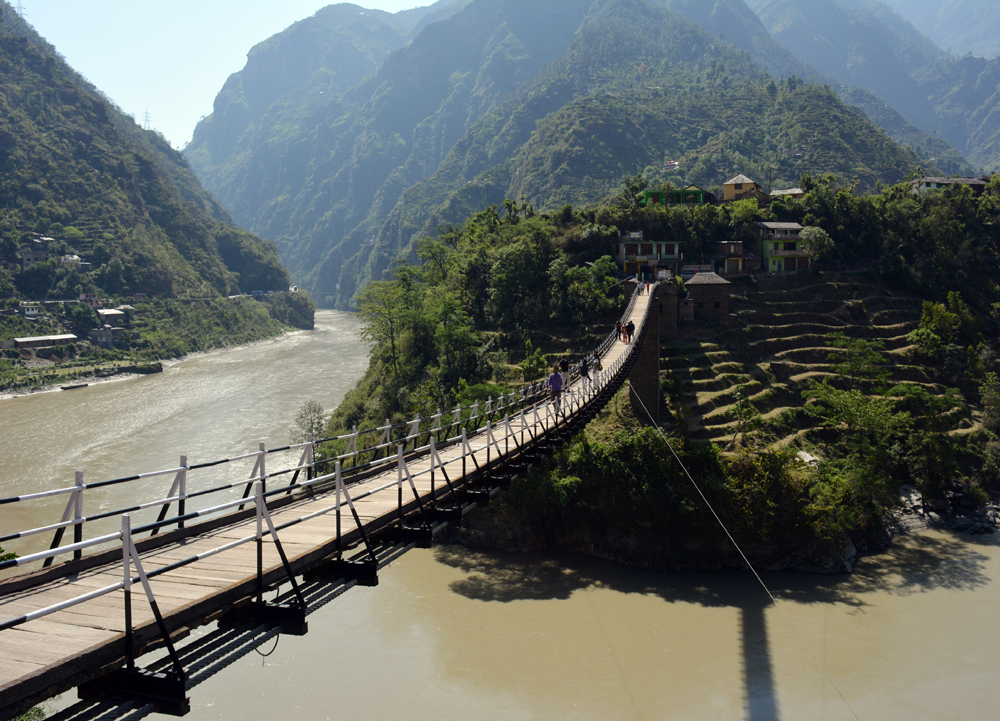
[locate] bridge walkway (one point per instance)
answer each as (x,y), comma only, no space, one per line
(51,654)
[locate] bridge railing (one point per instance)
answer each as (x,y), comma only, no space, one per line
(422,435)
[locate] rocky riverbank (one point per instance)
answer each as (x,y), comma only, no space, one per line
(716,553)
(481,530)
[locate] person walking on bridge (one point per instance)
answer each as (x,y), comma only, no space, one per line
(618,330)
(555,386)
(630,331)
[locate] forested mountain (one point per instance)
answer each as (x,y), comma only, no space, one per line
(865,43)
(700,102)
(499,97)
(959,26)
(75,168)
(319,176)
(734,22)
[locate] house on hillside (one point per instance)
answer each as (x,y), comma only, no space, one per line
(643,258)
(690,195)
(709,293)
(740,187)
(797,193)
(91,299)
(33,253)
(69,262)
(30,310)
(924,185)
(782,250)
(730,257)
(111,316)
(44,341)
(107,336)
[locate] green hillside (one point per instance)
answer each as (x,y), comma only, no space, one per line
(76,169)
(317,172)
(717,122)
(879,361)
(868,45)
(734,22)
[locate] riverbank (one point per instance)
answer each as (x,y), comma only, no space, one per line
(486,531)
(118,371)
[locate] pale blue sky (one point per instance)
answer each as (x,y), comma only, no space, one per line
(168,56)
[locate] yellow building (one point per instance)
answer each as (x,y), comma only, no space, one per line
(735,188)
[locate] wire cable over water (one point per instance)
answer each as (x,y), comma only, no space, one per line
(745,559)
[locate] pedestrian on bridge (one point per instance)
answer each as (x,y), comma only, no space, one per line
(555,386)
(618,330)
(630,331)
(597,363)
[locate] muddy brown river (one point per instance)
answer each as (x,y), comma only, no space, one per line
(451,633)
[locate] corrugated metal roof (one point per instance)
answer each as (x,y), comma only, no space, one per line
(740,179)
(45,337)
(789,191)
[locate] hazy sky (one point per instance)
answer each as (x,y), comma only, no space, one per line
(169,57)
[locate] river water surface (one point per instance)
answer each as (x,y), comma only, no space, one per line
(451,633)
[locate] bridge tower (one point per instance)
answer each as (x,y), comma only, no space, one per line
(644,380)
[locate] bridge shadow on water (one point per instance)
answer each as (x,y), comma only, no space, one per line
(914,564)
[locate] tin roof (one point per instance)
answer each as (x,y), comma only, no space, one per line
(740,179)
(68,337)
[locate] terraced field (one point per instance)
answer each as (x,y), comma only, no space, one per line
(776,349)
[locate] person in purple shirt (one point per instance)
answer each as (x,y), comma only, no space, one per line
(555,386)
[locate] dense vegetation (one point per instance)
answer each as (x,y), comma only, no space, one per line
(508,287)
(736,23)
(74,168)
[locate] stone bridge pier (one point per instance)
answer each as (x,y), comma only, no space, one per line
(644,380)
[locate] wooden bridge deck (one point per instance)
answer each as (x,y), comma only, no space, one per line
(58,651)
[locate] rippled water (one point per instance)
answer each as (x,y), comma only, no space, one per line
(210,407)
(455,634)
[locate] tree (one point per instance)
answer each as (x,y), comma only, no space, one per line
(818,240)
(630,196)
(310,420)
(382,307)
(989,393)
(869,422)
(748,418)
(84,316)
(436,257)
(859,360)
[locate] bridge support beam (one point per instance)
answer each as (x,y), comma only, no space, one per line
(666,307)
(644,380)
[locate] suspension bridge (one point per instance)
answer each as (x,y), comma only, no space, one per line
(83,613)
